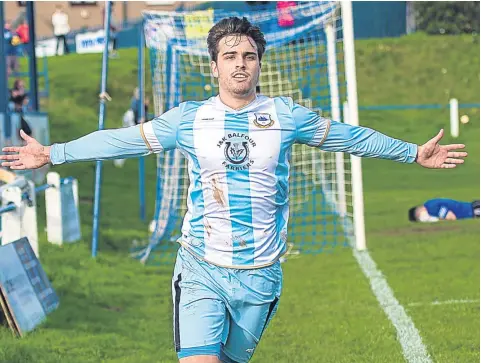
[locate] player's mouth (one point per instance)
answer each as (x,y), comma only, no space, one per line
(240,76)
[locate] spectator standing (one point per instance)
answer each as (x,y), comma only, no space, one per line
(22,32)
(11,42)
(134,106)
(61,28)
(285,18)
(19,99)
(131,117)
(113,32)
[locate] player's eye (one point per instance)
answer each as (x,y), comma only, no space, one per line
(251,57)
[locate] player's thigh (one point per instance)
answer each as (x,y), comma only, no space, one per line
(244,335)
(252,310)
(200,317)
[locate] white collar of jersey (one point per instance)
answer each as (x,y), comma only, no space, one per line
(219,104)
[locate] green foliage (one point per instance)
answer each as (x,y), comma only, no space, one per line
(112,309)
(447,17)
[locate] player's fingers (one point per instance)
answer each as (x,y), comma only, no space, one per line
(459,154)
(9,157)
(454,161)
(25,136)
(12,164)
(11,149)
(18,167)
(439,136)
(454,146)
(448,166)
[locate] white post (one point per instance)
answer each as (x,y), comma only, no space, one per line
(11,221)
(356,169)
(22,221)
(454,117)
(53,206)
(335,113)
(61,203)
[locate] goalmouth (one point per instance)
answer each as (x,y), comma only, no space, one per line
(312,62)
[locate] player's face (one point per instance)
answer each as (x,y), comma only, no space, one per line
(237,66)
(422,214)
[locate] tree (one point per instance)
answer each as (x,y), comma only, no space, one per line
(447,17)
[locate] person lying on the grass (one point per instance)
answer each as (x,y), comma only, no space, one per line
(439,209)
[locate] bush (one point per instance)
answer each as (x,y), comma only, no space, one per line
(447,17)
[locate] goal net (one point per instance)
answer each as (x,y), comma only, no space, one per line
(303,60)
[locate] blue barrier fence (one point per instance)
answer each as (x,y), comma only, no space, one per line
(25,196)
(102,112)
(44,187)
(415,107)
(8,208)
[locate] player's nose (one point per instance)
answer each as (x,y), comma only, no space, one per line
(240,63)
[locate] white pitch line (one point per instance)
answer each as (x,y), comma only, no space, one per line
(412,345)
(446,302)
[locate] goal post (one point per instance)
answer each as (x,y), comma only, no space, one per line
(352,108)
(310,61)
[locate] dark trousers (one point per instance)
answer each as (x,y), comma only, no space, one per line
(476,208)
(114,43)
(64,39)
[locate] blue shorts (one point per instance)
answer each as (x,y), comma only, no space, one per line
(222,311)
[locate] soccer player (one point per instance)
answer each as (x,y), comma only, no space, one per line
(439,209)
(227,278)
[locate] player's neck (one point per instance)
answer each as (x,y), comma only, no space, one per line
(236,103)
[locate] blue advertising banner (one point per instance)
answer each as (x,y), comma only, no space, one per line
(27,296)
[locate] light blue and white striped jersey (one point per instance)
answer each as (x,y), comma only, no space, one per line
(238,164)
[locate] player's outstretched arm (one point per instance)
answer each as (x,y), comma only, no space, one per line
(150,137)
(100,145)
(365,142)
(313,130)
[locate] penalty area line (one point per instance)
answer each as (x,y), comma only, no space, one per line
(445,302)
(412,345)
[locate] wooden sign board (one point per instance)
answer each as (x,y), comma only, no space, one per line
(5,316)
(26,295)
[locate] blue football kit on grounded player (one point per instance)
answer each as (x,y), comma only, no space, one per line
(440,207)
(235,228)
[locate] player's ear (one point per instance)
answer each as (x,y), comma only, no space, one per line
(213,68)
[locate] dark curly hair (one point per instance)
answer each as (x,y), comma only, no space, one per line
(234,26)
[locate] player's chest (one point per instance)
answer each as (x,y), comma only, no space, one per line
(250,141)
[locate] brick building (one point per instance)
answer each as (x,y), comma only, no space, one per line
(85,14)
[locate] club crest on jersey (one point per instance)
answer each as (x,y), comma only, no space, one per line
(236,150)
(263,120)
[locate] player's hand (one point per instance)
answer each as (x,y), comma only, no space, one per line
(31,156)
(434,156)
